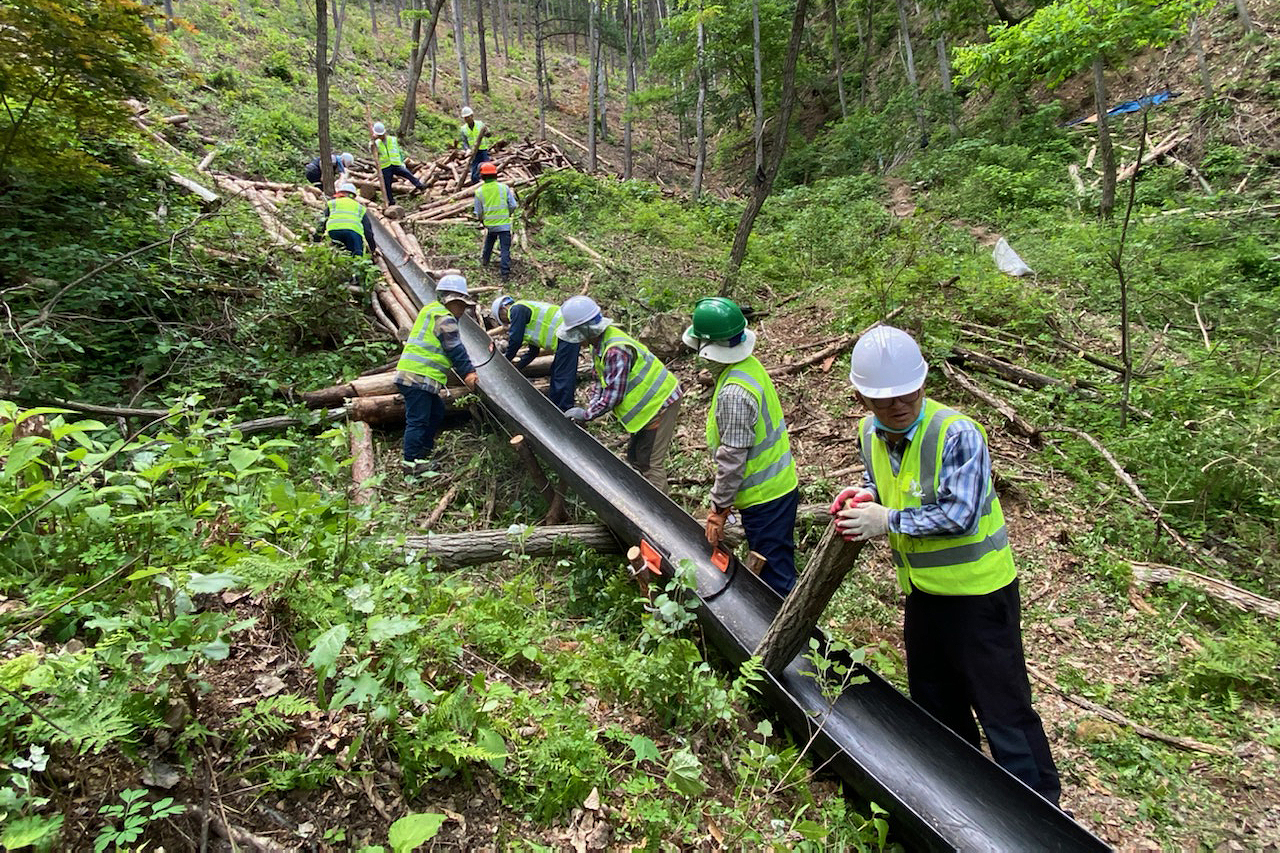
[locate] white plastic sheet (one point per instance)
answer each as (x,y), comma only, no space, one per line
(1008,261)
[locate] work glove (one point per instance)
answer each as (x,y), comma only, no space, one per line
(715,525)
(857,494)
(470,380)
(577,414)
(864,521)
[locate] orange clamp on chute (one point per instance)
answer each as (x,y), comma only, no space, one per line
(652,559)
(720,559)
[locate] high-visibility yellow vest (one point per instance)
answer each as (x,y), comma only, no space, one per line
(423,354)
(649,383)
(968,564)
(389,153)
(471,135)
(771,470)
(345,214)
(493,204)
(541,328)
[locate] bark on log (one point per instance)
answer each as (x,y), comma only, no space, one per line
(361,462)
(1241,599)
(279,422)
(384,410)
(1020,424)
(1021,374)
(553,496)
(475,547)
(789,632)
(208,198)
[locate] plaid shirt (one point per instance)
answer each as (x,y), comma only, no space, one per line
(962,482)
(617,364)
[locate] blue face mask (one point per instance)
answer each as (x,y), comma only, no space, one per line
(875,421)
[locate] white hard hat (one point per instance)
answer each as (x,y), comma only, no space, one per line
(379,128)
(467,111)
(581,319)
(886,362)
(347,159)
(346,187)
(453,287)
(502,299)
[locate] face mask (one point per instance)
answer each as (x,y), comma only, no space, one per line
(876,423)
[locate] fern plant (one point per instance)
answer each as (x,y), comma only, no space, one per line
(134,816)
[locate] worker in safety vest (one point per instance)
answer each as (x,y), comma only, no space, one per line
(341,162)
(747,432)
(473,131)
(642,394)
(434,345)
(391,160)
(495,207)
(533,325)
(347,222)
(928,488)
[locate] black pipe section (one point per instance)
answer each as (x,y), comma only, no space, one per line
(941,792)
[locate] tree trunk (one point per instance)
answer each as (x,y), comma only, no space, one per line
(460,48)
(909,60)
(373,18)
(789,632)
(476,547)
(322,99)
(168,15)
(765,186)
(759,91)
(835,55)
(1105,153)
(866,53)
(432,42)
(540,69)
(1197,43)
(1242,13)
(700,158)
(399,7)
(499,9)
(484,60)
(602,79)
(592,63)
(422,38)
(337,37)
(520,23)
(944,74)
(631,88)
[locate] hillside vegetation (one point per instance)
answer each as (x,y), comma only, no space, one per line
(206,633)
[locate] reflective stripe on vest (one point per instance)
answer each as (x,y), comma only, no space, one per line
(493,204)
(770,471)
(389,152)
(471,135)
(423,354)
(541,328)
(345,214)
(967,564)
(649,383)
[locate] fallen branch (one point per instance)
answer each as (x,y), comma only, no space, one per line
(441,506)
(1241,599)
(1020,424)
(1116,717)
(835,348)
(236,835)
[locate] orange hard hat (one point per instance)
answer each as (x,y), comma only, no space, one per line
(488,168)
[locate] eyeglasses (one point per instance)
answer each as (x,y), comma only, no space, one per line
(882,403)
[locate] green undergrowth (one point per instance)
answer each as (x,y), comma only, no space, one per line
(155,573)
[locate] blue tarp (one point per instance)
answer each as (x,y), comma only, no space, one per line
(1132,106)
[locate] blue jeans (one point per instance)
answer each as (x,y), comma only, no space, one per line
(770,529)
(389,175)
(503,239)
(564,375)
(352,241)
(423,417)
(482,156)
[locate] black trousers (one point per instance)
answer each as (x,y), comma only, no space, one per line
(964,656)
(352,241)
(770,529)
(503,239)
(390,173)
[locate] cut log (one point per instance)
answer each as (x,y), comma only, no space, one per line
(554,498)
(788,634)
(279,422)
(180,118)
(208,158)
(1014,372)
(361,462)
(1241,599)
(475,547)
(386,410)
(1020,424)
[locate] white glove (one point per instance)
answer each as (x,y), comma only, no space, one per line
(850,493)
(864,521)
(577,414)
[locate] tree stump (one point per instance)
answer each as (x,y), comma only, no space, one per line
(789,632)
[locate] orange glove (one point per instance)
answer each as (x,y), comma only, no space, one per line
(715,525)
(470,380)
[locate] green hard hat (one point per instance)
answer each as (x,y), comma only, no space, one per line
(716,318)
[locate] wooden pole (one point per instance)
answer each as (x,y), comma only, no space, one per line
(361,462)
(555,509)
(802,609)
